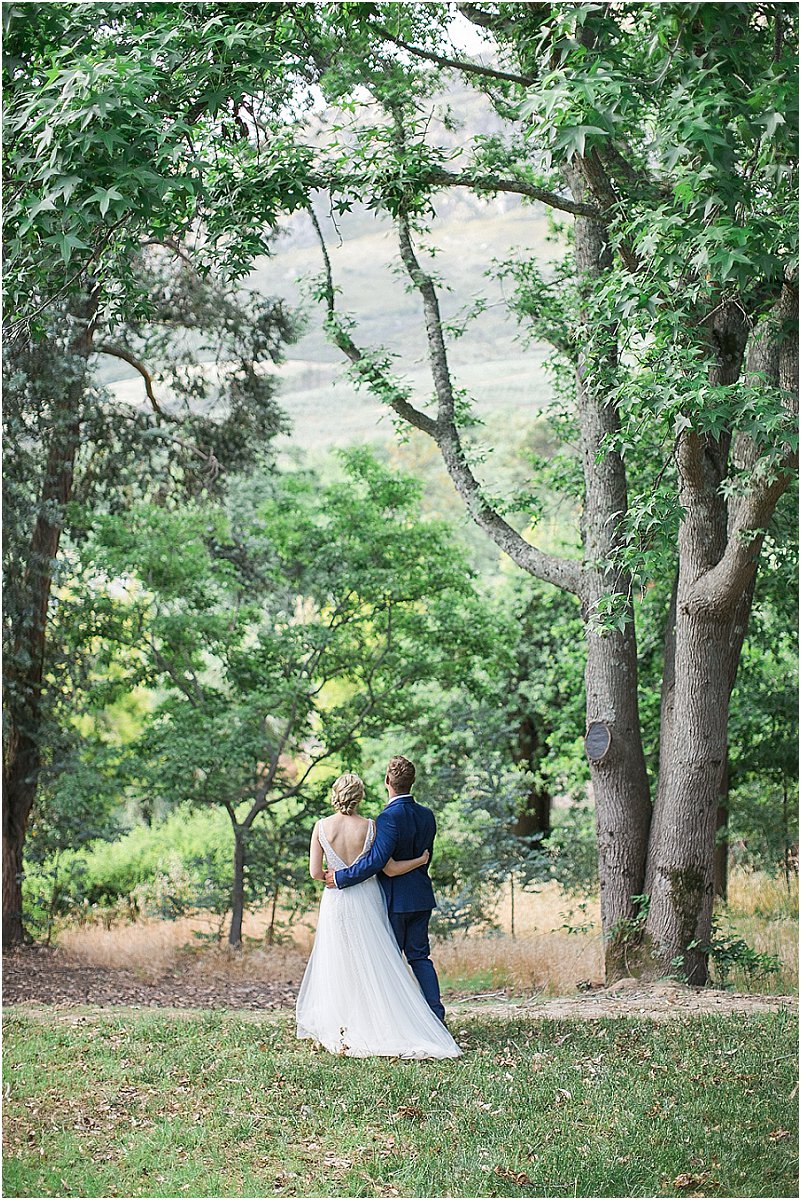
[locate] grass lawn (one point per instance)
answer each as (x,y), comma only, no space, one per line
(150,1104)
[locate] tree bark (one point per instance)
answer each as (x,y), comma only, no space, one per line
(24,678)
(619,780)
(715,586)
(19,787)
(722,837)
(238,888)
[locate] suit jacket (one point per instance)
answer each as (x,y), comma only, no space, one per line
(403,830)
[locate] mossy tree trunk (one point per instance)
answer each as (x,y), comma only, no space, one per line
(719,543)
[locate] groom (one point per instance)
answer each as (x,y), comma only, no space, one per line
(403,830)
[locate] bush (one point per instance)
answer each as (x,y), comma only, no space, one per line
(180,865)
(572,853)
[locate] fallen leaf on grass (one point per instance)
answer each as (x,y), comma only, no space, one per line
(409,1112)
(778,1135)
(518,1177)
(687,1180)
(336,1163)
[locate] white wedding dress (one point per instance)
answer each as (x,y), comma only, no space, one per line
(358,997)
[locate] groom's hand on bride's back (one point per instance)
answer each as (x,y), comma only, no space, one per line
(330,879)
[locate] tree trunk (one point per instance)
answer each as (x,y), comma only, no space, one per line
(273,914)
(694,744)
(24,677)
(711,620)
(619,780)
(620,789)
(681,868)
(535,818)
(722,837)
(238,889)
(788,849)
(17,800)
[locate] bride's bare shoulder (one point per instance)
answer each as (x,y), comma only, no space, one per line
(339,821)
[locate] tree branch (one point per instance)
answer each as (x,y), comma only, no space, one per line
(177,250)
(495,21)
(563,572)
(133,361)
(774,354)
(260,799)
(468,68)
(366,367)
(475,180)
(493,183)
(601,187)
(210,459)
(437,353)
(82,270)
(719,587)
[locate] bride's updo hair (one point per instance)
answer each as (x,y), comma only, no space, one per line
(347,793)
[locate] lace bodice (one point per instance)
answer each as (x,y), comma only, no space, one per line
(335,863)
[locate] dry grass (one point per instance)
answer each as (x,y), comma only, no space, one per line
(548,964)
(763,911)
(752,893)
(153,948)
(542,956)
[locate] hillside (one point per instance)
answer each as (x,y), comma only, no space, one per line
(505,377)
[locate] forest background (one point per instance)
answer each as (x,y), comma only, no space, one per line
(234,570)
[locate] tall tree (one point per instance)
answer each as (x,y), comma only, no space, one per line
(667,132)
(282,632)
(120,136)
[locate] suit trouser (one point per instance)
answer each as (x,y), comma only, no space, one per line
(411,934)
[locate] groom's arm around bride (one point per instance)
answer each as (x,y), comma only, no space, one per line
(404,830)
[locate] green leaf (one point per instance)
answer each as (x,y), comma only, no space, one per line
(573,138)
(772,121)
(104,196)
(67,242)
(45,205)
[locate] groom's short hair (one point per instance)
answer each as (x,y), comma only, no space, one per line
(400,773)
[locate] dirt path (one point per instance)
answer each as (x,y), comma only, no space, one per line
(40,975)
(45,984)
(656,1002)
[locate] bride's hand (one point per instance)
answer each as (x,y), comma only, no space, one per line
(425,857)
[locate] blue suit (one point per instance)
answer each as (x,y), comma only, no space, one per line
(404,830)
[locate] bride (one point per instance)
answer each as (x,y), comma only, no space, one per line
(358,997)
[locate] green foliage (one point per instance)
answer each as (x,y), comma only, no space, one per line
(488,749)
(763,818)
(175,867)
(281,629)
(125,124)
(77,806)
(54,409)
(190,126)
(729,952)
(573,849)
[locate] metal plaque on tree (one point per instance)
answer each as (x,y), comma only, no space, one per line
(597,740)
